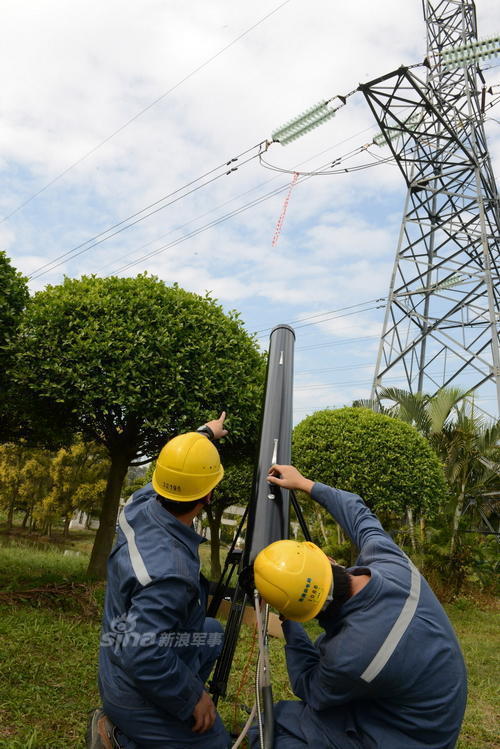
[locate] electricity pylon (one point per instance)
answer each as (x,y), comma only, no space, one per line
(443,313)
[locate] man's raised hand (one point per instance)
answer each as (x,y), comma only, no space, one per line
(217,426)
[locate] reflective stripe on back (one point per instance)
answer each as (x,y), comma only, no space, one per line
(399,628)
(137,561)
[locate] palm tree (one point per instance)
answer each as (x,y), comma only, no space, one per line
(427,414)
(467,445)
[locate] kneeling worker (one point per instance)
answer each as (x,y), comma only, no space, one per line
(388,672)
(157,645)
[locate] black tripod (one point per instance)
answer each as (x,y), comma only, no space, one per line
(240,596)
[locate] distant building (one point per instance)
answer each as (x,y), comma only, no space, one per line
(81,521)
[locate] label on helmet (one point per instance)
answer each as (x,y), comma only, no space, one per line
(311,591)
(170,487)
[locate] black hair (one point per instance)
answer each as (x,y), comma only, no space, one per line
(178,508)
(341,583)
(342,591)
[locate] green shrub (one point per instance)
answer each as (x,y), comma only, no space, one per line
(386,461)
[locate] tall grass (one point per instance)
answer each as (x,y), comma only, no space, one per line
(22,565)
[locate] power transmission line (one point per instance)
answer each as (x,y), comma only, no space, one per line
(127,223)
(201,229)
(321,314)
(332,369)
(226,202)
(339,342)
(320,386)
(211,224)
(226,167)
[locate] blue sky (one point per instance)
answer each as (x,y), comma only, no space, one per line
(72,79)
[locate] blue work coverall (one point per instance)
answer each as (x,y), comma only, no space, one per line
(388,672)
(157,647)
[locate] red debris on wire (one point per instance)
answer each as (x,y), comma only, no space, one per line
(281,219)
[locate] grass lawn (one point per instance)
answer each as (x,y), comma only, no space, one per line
(48,656)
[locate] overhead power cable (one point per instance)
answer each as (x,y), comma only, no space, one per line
(145,109)
(127,222)
(243,194)
(146,212)
(339,342)
(160,205)
(322,314)
(335,317)
(201,229)
(331,170)
(333,369)
(320,386)
(209,225)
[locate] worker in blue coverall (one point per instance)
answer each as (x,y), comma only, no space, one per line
(388,672)
(157,645)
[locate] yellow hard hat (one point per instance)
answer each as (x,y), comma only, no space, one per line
(295,577)
(187,468)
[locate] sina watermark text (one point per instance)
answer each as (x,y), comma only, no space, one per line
(123,634)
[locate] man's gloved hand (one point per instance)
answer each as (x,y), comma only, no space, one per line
(217,426)
(289,478)
(204,714)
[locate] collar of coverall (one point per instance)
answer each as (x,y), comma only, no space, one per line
(182,532)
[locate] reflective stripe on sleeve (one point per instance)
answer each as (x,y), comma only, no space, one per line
(138,565)
(399,628)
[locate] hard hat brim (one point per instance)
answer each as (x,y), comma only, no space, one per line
(191,497)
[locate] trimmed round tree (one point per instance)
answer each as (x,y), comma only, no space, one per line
(383,460)
(129,363)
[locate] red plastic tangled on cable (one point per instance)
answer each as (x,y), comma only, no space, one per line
(281,219)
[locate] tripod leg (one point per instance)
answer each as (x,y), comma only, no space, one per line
(232,560)
(218,684)
(300,516)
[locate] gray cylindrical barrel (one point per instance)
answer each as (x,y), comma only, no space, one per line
(269,515)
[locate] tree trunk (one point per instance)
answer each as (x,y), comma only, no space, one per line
(411,526)
(10,516)
(456,519)
(322,528)
(340,535)
(214,521)
(26,518)
(67,521)
(107,520)
(422,530)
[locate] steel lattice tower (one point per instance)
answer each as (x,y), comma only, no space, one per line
(442,318)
